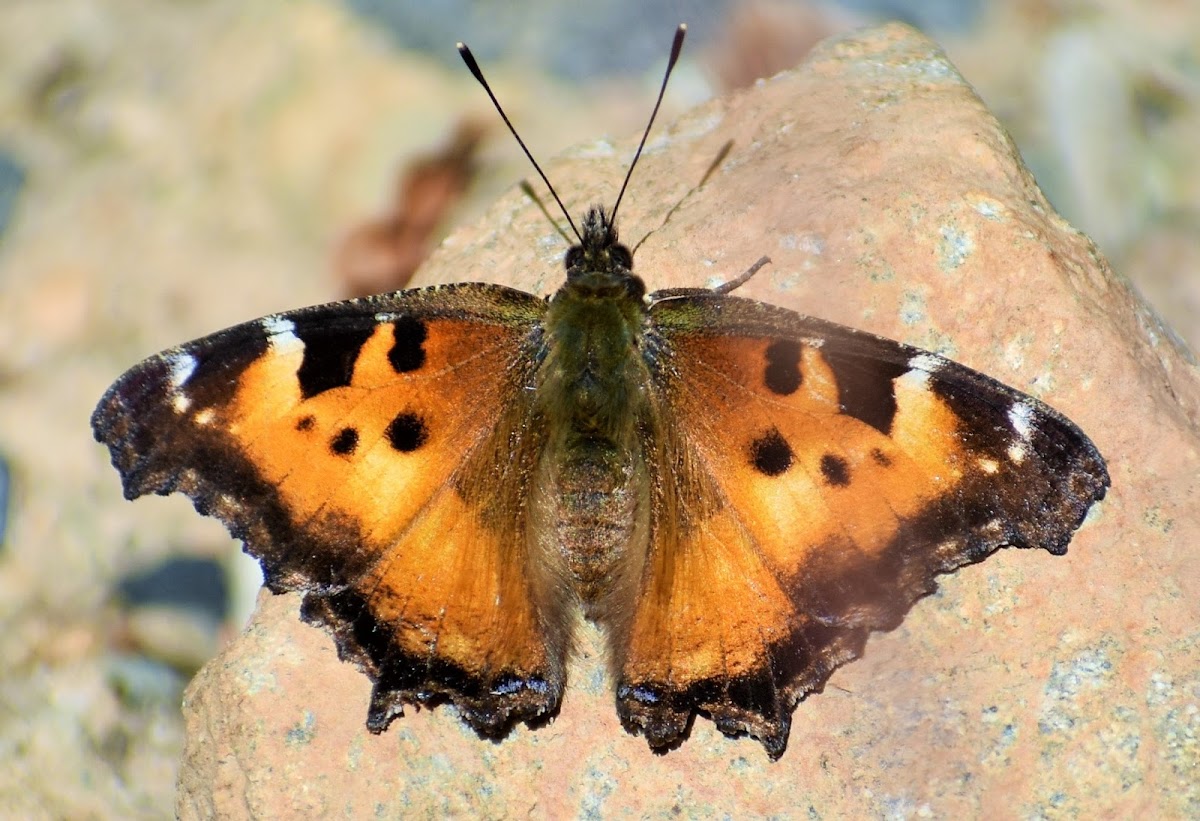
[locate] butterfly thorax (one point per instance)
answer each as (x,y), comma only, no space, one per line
(592,393)
(593,372)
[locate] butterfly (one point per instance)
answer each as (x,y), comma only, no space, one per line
(735,493)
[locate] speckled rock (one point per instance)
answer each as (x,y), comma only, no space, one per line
(889,199)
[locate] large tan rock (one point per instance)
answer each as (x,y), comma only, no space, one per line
(888,199)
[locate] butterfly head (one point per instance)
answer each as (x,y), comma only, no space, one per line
(600,263)
(599,266)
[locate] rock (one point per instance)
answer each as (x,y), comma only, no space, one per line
(891,200)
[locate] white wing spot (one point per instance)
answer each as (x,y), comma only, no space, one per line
(204,417)
(920,368)
(917,379)
(989,466)
(182,366)
(1016,454)
(925,362)
(1020,416)
(281,333)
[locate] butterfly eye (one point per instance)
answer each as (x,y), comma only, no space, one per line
(573,258)
(635,287)
(621,257)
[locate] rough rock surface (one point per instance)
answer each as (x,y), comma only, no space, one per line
(888,199)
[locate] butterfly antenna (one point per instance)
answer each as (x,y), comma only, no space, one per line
(528,191)
(712,167)
(676,47)
(473,66)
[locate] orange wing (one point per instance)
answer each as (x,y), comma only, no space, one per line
(811,482)
(374,455)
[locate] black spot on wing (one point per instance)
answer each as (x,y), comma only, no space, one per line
(835,470)
(345,442)
(770,453)
(306,423)
(408,350)
(881,458)
(865,387)
(407,432)
(329,354)
(782,375)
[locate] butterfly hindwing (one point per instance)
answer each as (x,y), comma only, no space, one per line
(374,455)
(821,478)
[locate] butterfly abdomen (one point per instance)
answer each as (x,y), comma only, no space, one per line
(598,503)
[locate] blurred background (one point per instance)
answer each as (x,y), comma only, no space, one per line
(170,167)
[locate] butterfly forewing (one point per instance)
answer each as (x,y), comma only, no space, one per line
(821,478)
(375,455)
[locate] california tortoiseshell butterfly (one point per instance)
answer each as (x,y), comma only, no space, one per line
(736,493)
